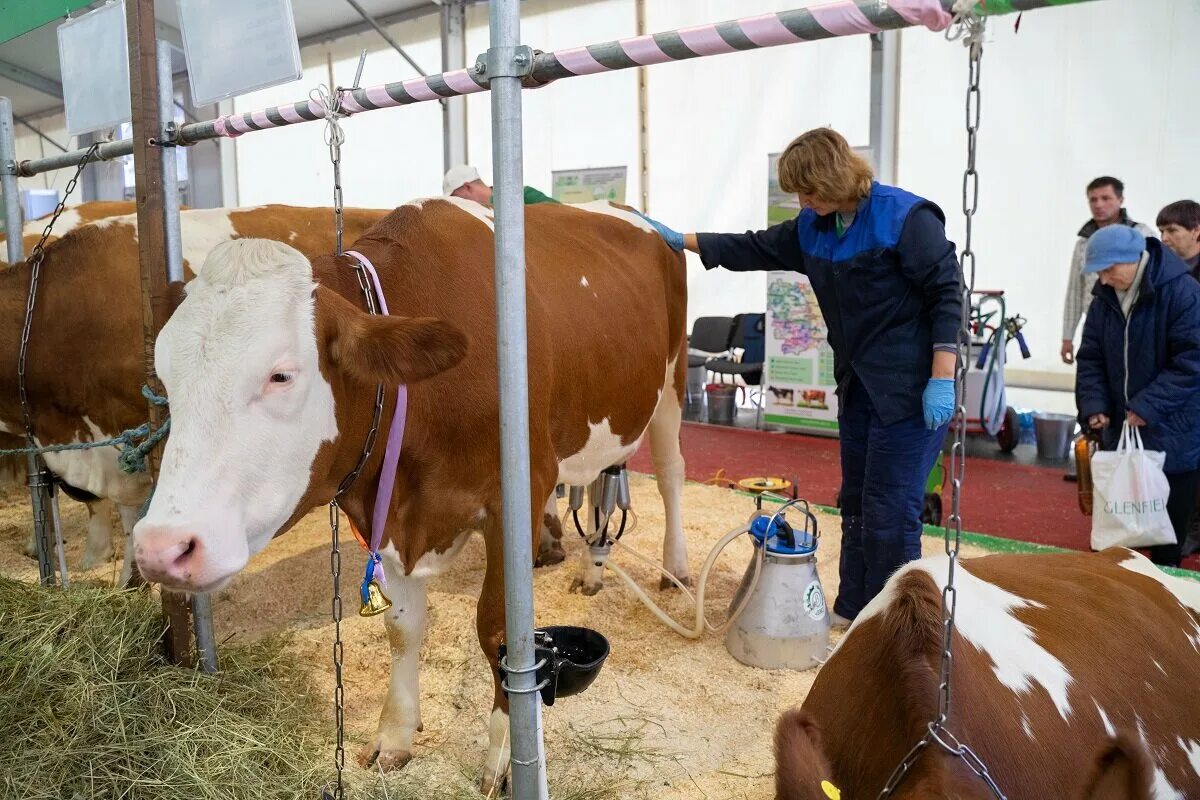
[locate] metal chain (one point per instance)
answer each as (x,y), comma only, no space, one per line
(339,712)
(36,256)
(334,138)
(971,28)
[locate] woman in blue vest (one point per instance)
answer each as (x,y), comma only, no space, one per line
(886,279)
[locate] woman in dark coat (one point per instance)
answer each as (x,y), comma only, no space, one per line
(1140,360)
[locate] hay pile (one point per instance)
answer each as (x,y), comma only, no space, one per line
(89,708)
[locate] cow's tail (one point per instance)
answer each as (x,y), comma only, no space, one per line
(801,766)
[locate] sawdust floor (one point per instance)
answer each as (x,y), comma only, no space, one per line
(666,718)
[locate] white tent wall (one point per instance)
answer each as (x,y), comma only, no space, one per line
(390,156)
(712,123)
(1059,109)
(30,146)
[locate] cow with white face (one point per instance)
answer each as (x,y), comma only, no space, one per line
(86,387)
(271,364)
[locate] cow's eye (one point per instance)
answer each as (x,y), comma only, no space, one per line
(281,377)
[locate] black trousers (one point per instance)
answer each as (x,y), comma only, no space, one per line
(1180,506)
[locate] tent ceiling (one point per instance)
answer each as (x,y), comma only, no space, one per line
(29,69)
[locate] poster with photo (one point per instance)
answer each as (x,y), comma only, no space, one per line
(799,376)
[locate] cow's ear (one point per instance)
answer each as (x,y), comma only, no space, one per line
(373,349)
(1121,769)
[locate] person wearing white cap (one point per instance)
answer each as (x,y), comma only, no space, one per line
(463,181)
(1140,361)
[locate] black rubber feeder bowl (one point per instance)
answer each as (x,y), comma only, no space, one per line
(573,657)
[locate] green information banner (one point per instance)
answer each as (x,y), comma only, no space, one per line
(800,391)
(18,17)
(589,185)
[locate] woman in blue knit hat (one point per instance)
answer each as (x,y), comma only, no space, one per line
(1140,360)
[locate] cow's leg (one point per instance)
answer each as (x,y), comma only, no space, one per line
(490,622)
(129,516)
(550,549)
(401,717)
(489,625)
(668,471)
(100,533)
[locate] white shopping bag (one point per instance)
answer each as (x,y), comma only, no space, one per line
(1130,491)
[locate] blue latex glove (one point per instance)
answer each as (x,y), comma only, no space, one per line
(674,239)
(938,402)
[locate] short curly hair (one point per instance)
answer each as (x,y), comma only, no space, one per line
(820,163)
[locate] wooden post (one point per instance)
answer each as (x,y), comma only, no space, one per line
(152,255)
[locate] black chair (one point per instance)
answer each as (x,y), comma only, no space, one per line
(710,337)
(749,346)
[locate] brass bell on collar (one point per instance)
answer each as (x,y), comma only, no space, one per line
(375,601)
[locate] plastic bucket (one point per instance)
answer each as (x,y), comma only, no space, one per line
(1054,434)
(722,403)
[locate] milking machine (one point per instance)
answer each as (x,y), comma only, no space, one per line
(778,617)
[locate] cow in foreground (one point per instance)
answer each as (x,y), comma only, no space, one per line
(85,364)
(271,363)
(1074,675)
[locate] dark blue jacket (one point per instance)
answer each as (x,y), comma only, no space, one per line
(1164,360)
(888,288)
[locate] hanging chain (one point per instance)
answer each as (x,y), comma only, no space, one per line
(334,138)
(36,256)
(971,28)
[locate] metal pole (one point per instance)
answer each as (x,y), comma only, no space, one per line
(14,230)
(201,606)
(506,61)
(13,223)
(58,539)
(145,102)
(206,641)
(454,56)
(170,170)
(786,27)
(887,145)
(643,90)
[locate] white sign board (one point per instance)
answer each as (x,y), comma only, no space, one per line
(93,54)
(589,185)
(237,46)
(801,388)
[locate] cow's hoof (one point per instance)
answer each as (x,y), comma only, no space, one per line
(548,556)
(386,760)
(665,584)
(493,785)
(92,560)
(588,589)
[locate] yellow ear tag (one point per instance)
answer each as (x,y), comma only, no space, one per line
(831,791)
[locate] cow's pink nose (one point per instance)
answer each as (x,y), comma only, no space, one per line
(167,554)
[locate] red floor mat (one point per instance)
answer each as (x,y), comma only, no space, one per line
(1026,503)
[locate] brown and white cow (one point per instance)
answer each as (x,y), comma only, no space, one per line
(99,537)
(85,367)
(270,363)
(1059,660)
(69,220)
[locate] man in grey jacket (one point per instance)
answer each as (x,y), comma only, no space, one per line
(1105,198)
